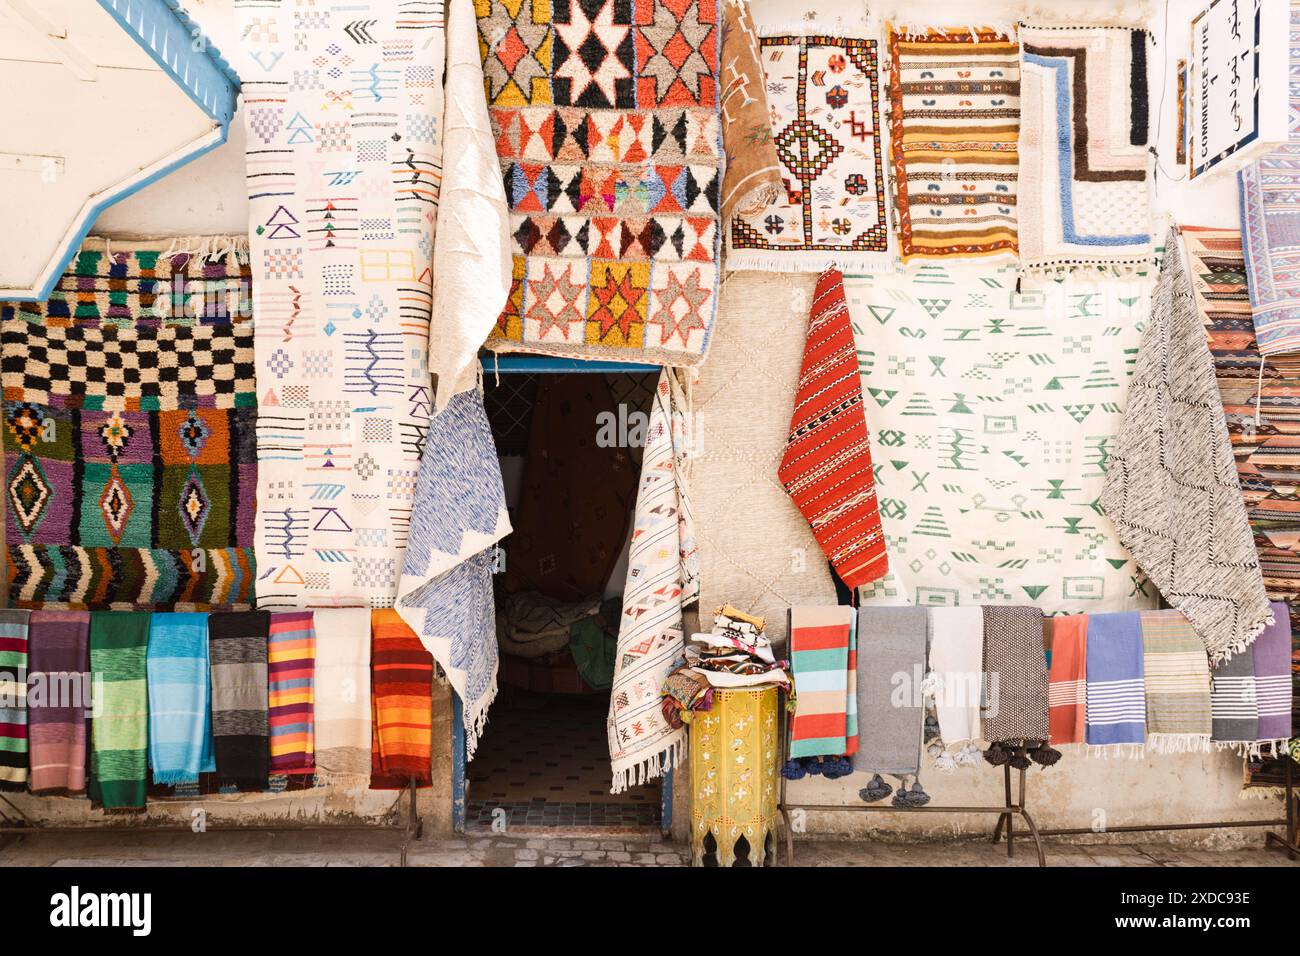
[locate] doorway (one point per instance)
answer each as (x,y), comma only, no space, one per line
(568,439)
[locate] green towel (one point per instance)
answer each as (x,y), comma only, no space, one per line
(120,728)
(593,648)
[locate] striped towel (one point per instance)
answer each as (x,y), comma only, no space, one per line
(401,682)
(1116,707)
(957,671)
(58,661)
(1273,678)
(819,651)
(13,699)
(1177,672)
(119,732)
(180,715)
(291,668)
(343,696)
(1234,704)
(237,643)
(851,695)
(1067,689)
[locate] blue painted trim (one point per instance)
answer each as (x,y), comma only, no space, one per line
(457,764)
(78,237)
(167,34)
(519,363)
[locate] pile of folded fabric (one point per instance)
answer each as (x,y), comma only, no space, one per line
(533,625)
(735,653)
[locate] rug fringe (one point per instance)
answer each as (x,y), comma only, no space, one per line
(476,722)
(643,771)
(807,28)
(1261,793)
(342,781)
(1178,743)
(1049,269)
(908,32)
(209,249)
(1222,654)
(1128,751)
(876,263)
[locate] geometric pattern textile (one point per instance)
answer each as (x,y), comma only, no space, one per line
(129,432)
(607,128)
(1172,488)
(993,414)
(827,462)
(954,120)
(344,164)
(824,96)
(1270,232)
(752,180)
(1084,187)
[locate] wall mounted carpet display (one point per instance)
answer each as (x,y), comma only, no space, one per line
(1172,489)
(992,416)
(752,178)
(826,466)
(344,161)
(607,127)
(129,429)
(662,580)
(742,404)
(1258,398)
(1084,189)
(954,119)
(1270,232)
(824,96)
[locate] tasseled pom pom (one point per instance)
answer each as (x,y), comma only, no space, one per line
(906,799)
(997,754)
(794,769)
(835,767)
(875,790)
(931,730)
(1044,755)
(1019,760)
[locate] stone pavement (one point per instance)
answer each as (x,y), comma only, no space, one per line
(361,848)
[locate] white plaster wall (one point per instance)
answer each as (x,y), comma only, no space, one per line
(208,197)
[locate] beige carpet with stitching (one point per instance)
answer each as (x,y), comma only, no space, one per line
(756,550)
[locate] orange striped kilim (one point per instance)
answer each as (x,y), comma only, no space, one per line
(290,670)
(401,695)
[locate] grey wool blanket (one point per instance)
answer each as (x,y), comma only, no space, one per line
(891,665)
(1171,483)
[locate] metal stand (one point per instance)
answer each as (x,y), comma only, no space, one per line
(1006,813)
(1287,843)
(13,820)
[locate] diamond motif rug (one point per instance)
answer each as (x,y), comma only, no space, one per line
(824,95)
(129,421)
(954,119)
(993,414)
(1084,188)
(607,128)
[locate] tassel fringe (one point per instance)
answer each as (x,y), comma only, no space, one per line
(643,771)
(1178,743)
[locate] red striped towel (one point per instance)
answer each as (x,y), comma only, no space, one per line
(1067,687)
(826,467)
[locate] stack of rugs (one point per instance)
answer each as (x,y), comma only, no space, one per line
(734,653)
(550,645)
(115,704)
(1140,681)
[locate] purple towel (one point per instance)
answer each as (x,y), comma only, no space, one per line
(1116,711)
(58,700)
(1273,676)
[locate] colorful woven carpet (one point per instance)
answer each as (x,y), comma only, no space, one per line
(954,120)
(13,700)
(119,742)
(1259,401)
(129,420)
(344,160)
(826,467)
(607,126)
(401,687)
(1083,187)
(1270,225)
(991,434)
(291,670)
(824,95)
